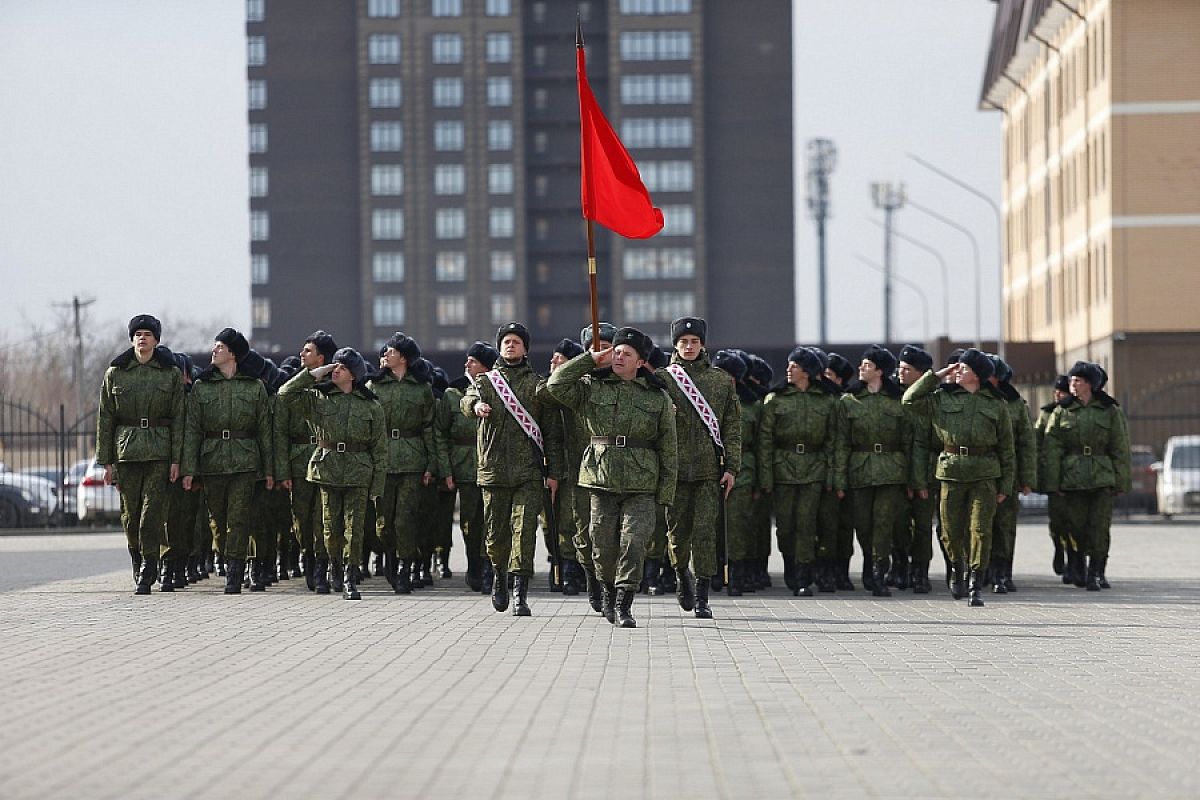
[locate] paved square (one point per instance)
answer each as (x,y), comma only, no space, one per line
(1051,692)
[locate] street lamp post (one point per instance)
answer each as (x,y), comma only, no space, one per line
(910,284)
(978,268)
(889,198)
(945,273)
(821,157)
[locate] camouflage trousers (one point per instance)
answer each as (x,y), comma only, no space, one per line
(692,527)
(797,509)
(399,514)
(264,533)
(182,511)
(876,511)
(915,535)
(621,527)
(510,516)
(426,522)
(343,513)
(1004,528)
(1060,525)
(836,537)
(564,518)
(230,505)
(657,546)
(306,517)
(581,519)
(742,534)
(443,520)
(470,518)
(760,519)
(143,486)
(1089,515)
(967,511)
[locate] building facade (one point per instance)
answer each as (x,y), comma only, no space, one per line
(414,165)
(1101,193)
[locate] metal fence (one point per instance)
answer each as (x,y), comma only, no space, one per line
(39,449)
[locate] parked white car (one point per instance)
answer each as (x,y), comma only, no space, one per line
(1179,476)
(97,501)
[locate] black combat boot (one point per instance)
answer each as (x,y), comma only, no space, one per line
(842,579)
(1059,562)
(902,571)
(667,578)
(685,589)
(1101,563)
(221,571)
(879,586)
(520,592)
(650,570)
(789,572)
(473,576)
(416,577)
(997,577)
(748,583)
(350,583)
(625,608)
(702,609)
(578,578)
(889,579)
(258,575)
(1008,581)
(764,573)
(389,570)
(427,570)
(1076,571)
(235,568)
(718,580)
(594,590)
(209,558)
(500,590)
(608,600)
(193,569)
(445,571)
(165,578)
(294,560)
(337,574)
(920,578)
(569,587)
(803,580)
(147,574)
(403,584)
(958,577)
(321,575)
(868,571)
(488,578)
(364,570)
(737,578)
(1092,582)
(826,581)
(975,585)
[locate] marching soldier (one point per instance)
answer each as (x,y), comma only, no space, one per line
(970,431)
(515,462)
(139,438)
(629,465)
(916,529)
(411,459)
(837,514)
(443,497)
(1088,463)
(795,464)
(350,461)
(759,377)
(227,445)
(574,441)
(874,439)
(657,574)
(1054,502)
(1004,526)
(582,516)
(708,427)
(738,536)
(184,526)
(264,534)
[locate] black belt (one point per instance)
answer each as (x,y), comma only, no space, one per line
(981,450)
(227,435)
(298,440)
(876,448)
(146,422)
(396,434)
(344,447)
(623,441)
(1079,451)
(804,448)
(465,441)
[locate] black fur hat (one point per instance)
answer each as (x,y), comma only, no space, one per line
(639,341)
(689,326)
(758,370)
(422,370)
(513,327)
(145,322)
(841,367)
(807,360)
(440,382)
(882,358)
(292,363)
(1062,383)
(1090,372)
(659,358)
(349,358)
(979,363)
(607,332)
(324,343)
(916,358)
(484,353)
(568,347)
(955,356)
(1003,371)
(236,343)
(732,363)
(405,345)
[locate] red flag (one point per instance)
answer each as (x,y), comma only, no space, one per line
(611,188)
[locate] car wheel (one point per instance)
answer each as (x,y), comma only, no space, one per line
(10,515)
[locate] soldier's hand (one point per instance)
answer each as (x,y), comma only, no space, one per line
(923,494)
(320,372)
(174,472)
(552,485)
(1000,498)
(427,478)
(944,371)
(108,476)
(286,483)
(482,410)
(602,358)
(187,483)
(450,482)
(727,481)
(270,482)
(908,492)
(841,494)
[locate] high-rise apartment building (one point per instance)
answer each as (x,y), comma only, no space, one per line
(1101,193)
(414,165)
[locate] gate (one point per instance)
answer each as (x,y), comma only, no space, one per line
(42,458)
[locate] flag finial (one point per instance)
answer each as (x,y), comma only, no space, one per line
(578,32)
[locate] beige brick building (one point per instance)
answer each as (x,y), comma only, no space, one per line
(1101,190)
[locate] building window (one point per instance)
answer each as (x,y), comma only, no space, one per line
(447,48)
(539,55)
(541,185)
(679,220)
(383,48)
(256,51)
(657,306)
(584,8)
(387,267)
(257,91)
(665,132)
(659,263)
(447,8)
(387,137)
(503,265)
(541,142)
(667,176)
(656,46)
(500,223)
(500,134)
(498,8)
(387,224)
(258,181)
(499,91)
(451,344)
(387,179)
(674,132)
(388,310)
(538,11)
(448,136)
(260,312)
(451,309)
(450,223)
(541,229)
(255,10)
(498,48)
(656,6)
(447,92)
(383,8)
(384,92)
(504,308)
(449,179)
(450,266)
(541,98)
(260,226)
(260,269)
(500,179)
(258,137)
(656,89)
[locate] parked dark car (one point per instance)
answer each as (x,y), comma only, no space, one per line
(17,510)
(1144,494)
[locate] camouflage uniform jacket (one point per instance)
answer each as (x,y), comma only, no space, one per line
(294,441)
(507,456)
(697,451)
(873,440)
(796,440)
(1087,447)
(228,427)
(141,415)
(637,409)
(454,438)
(408,413)
(354,419)
(752,413)
(1039,432)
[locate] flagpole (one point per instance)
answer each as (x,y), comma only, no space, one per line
(591,244)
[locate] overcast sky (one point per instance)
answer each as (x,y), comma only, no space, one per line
(123,158)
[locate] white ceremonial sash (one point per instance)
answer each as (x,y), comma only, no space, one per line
(692,392)
(523,417)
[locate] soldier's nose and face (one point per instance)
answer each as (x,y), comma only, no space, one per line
(833,376)
(557,360)
(393,360)
(908,374)
(143,341)
(1079,386)
(689,347)
(512,348)
(310,357)
(625,362)
(221,355)
(967,377)
(474,367)
(796,376)
(867,371)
